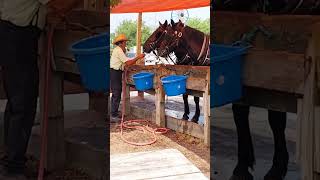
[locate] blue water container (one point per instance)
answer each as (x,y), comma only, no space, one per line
(174,85)
(225,71)
(92,56)
(143,80)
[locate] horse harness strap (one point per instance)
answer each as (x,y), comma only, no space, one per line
(205,49)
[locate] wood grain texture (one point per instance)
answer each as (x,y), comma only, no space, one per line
(161,164)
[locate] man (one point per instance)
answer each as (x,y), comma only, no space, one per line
(117,62)
(21,23)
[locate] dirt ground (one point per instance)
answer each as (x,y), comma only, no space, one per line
(192,148)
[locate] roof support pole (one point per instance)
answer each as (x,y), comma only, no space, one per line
(139,37)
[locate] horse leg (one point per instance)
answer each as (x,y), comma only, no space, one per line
(245,147)
(278,171)
(186,107)
(197,113)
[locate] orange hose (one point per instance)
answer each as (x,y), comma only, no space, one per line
(141,127)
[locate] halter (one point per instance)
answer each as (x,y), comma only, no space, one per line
(175,39)
(153,45)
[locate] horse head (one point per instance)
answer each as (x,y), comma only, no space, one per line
(153,41)
(171,39)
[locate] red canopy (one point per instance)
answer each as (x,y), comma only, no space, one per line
(137,6)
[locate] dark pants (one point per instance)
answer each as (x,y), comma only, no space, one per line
(18,53)
(116,89)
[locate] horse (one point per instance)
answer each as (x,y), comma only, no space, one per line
(277,122)
(191,47)
(183,36)
(307,7)
(155,38)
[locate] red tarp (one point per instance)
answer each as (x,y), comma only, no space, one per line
(136,6)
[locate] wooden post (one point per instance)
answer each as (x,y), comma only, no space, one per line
(159,100)
(98,102)
(139,37)
(206,111)
(160,107)
(55,141)
(127,105)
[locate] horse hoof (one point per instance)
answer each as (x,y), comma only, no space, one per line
(274,174)
(185,117)
(247,176)
(195,120)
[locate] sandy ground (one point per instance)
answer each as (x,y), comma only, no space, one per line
(191,147)
(224,143)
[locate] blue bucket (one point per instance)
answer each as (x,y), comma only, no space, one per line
(226,72)
(174,84)
(143,80)
(92,56)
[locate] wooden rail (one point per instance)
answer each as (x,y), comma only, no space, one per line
(281,72)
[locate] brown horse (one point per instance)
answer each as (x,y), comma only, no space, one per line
(191,47)
(277,120)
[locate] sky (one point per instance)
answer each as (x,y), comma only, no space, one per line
(152,19)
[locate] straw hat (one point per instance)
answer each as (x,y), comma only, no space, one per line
(120,37)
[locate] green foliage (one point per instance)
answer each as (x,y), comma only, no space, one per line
(129,28)
(113,3)
(199,24)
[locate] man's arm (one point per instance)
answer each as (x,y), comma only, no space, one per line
(134,60)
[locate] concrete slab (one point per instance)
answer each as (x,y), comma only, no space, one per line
(160,164)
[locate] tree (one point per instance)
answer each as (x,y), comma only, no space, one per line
(114,3)
(129,28)
(201,25)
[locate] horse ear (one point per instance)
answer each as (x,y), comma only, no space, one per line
(172,22)
(160,23)
(166,23)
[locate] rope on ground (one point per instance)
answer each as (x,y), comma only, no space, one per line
(140,124)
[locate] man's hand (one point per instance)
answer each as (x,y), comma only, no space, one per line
(140,56)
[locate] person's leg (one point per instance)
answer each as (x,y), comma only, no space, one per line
(116,88)
(21,82)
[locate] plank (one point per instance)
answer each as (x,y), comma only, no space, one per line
(269,99)
(185,127)
(160,107)
(127,105)
(290,32)
(196,74)
(206,112)
(274,70)
(161,164)
(317,139)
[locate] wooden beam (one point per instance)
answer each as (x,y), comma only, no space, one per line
(206,112)
(139,37)
(274,70)
(290,32)
(55,134)
(160,106)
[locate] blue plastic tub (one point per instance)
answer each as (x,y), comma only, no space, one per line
(92,57)
(226,70)
(174,84)
(143,80)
